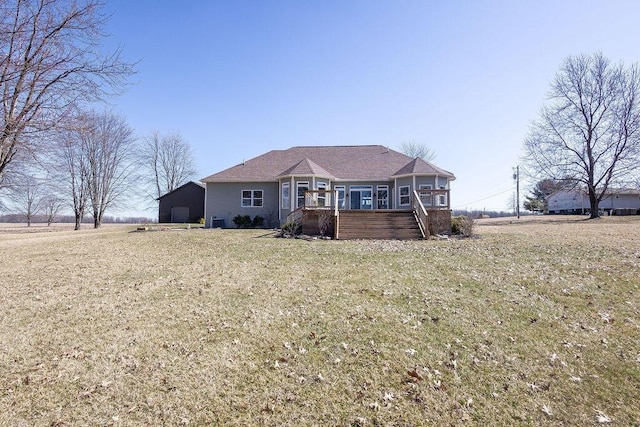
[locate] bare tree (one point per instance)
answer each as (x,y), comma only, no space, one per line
(589,132)
(106,145)
(415,149)
(50,59)
(166,162)
(25,194)
(51,206)
(68,164)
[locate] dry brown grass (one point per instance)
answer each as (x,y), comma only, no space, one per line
(534,323)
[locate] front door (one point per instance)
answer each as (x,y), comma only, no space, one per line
(360,197)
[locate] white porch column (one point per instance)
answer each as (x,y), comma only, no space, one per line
(395,193)
(292,190)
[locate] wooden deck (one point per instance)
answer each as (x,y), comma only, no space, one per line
(388,224)
(378,224)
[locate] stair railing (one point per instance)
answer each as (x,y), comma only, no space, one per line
(420,214)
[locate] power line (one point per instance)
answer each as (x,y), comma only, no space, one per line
(484,198)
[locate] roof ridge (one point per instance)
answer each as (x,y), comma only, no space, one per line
(336,146)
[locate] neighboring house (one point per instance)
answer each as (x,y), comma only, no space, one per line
(618,201)
(365,177)
(184,204)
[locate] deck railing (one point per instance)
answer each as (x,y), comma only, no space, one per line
(433,199)
(321,199)
(421,214)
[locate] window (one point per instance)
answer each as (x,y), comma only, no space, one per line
(442,197)
(383,197)
(426,197)
(251,198)
(341,193)
(405,196)
(322,197)
(286,196)
(301,187)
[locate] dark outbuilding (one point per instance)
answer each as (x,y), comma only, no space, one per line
(184,204)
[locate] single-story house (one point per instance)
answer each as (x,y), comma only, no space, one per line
(617,201)
(359,177)
(184,204)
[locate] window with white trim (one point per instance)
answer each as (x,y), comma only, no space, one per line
(340,189)
(251,198)
(286,196)
(322,197)
(405,195)
(426,197)
(442,197)
(301,187)
(383,196)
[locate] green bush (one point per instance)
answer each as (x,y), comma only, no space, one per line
(291,229)
(242,221)
(258,221)
(245,221)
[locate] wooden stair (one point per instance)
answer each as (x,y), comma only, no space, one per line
(378,224)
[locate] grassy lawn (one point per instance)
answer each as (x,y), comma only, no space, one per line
(534,323)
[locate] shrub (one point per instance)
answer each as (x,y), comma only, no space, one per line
(258,221)
(291,229)
(440,222)
(324,222)
(462,225)
(242,221)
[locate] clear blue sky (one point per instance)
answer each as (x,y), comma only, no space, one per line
(240,78)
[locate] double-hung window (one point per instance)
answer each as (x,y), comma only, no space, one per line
(405,195)
(426,196)
(251,198)
(383,197)
(301,187)
(442,197)
(286,196)
(322,196)
(340,189)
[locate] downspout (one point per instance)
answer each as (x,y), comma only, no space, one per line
(395,185)
(392,197)
(292,188)
(313,187)
(206,187)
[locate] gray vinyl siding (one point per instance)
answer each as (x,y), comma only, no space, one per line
(426,180)
(443,182)
(224,201)
(431,180)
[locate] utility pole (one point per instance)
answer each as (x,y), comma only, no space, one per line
(516,177)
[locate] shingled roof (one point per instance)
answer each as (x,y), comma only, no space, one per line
(421,167)
(351,162)
(306,167)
